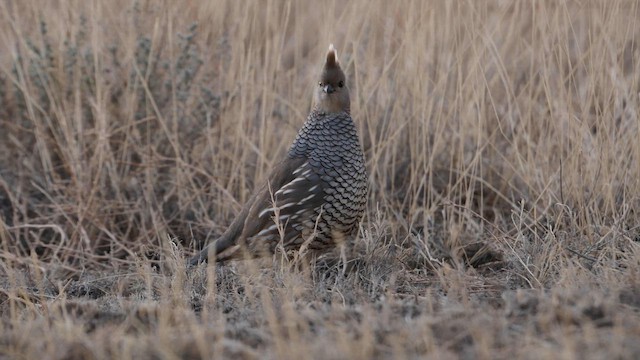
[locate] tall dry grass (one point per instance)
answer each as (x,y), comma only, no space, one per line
(501,140)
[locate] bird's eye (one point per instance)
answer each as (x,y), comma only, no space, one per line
(341,83)
(319,83)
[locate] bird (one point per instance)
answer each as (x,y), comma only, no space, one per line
(315,198)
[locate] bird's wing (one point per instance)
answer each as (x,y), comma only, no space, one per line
(293,185)
(294,191)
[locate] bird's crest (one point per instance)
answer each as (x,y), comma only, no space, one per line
(332,58)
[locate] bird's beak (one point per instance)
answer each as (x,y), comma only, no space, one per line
(328,89)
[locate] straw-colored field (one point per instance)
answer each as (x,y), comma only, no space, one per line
(502,141)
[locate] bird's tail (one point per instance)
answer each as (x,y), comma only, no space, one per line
(225,247)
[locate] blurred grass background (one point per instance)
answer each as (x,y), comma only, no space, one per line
(501,140)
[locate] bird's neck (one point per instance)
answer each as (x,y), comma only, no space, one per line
(318,112)
(332,105)
(323,130)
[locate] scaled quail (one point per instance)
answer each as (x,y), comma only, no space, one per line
(316,196)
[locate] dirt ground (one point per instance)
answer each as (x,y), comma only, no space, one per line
(501,141)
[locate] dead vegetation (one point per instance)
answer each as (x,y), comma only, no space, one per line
(502,144)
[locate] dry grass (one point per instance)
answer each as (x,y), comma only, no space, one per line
(502,144)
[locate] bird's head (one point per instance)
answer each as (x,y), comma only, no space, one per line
(332,94)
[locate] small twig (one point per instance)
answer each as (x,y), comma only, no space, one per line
(581,255)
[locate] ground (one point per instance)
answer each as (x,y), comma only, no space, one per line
(502,149)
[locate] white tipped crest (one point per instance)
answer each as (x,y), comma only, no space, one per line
(335,52)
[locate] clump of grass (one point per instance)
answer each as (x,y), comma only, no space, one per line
(501,142)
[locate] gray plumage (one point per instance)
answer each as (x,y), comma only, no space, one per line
(316,196)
